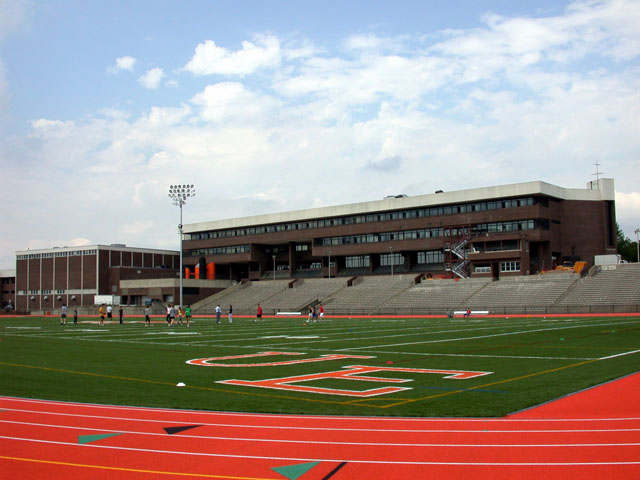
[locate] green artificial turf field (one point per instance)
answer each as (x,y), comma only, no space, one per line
(523,362)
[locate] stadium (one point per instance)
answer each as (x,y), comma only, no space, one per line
(483,332)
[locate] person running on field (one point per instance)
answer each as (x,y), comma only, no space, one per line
(101,312)
(147,319)
(230,314)
(258,314)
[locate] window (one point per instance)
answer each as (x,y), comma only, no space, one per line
(431,256)
(482,268)
(392,259)
(357,261)
(513,266)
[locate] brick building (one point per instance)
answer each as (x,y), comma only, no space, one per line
(47,278)
(8,292)
(515,229)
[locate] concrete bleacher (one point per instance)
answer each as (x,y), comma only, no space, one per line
(606,285)
(367,294)
(559,292)
(527,293)
(304,293)
(244,298)
(435,296)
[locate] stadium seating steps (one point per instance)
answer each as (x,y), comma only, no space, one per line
(400,294)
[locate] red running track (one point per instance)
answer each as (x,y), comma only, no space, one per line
(591,434)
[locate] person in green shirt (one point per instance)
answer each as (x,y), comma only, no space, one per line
(187,312)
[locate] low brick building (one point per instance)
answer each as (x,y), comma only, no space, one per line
(48,278)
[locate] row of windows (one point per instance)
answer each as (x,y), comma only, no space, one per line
(370,218)
(513,266)
(509,266)
(391,259)
(507,226)
(431,256)
(425,233)
(422,233)
(357,261)
(309,266)
(31,256)
(232,249)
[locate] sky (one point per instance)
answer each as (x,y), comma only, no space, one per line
(271,106)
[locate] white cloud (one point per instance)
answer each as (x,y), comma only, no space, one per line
(152,79)
(305,125)
(210,59)
(122,64)
(628,212)
(231,100)
(53,127)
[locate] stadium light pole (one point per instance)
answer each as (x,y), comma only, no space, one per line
(179,195)
(637,232)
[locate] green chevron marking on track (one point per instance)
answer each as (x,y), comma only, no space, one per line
(82,439)
(292,472)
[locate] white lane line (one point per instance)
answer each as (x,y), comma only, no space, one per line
(620,355)
(256,457)
(325,428)
(324,442)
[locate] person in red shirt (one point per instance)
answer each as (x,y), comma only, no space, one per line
(321,313)
(259,314)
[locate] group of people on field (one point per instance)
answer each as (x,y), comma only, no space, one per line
(175,316)
(314,314)
(108,310)
(219,313)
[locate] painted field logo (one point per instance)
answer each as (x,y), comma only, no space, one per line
(351,372)
(207,362)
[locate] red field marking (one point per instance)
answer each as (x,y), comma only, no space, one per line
(591,434)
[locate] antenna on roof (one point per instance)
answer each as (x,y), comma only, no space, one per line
(598,172)
(595,185)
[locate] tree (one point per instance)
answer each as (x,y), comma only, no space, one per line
(626,248)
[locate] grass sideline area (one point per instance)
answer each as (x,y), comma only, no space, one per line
(524,361)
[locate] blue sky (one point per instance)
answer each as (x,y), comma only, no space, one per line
(279,105)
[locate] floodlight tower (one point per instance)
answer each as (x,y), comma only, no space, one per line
(179,195)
